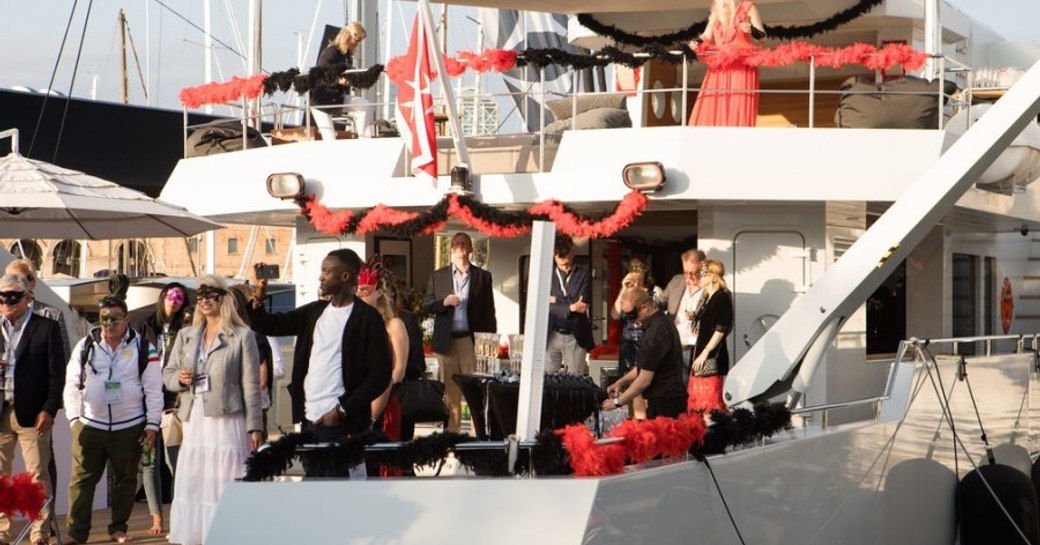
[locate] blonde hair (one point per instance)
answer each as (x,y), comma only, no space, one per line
(23,267)
(229,315)
(716,271)
(349,37)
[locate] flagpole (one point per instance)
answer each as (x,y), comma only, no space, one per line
(449,94)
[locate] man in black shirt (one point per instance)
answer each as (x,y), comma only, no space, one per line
(658,374)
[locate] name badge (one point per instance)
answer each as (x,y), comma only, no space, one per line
(113,391)
(201,384)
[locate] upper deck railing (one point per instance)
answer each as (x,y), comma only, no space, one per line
(288,116)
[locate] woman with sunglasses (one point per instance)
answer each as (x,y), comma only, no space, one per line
(214,367)
(160,328)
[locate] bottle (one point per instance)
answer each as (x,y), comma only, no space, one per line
(147,456)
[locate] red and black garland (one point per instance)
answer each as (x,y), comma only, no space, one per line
(570,450)
(487,219)
(777,32)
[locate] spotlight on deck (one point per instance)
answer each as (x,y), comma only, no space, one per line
(460,181)
(644,177)
(285,185)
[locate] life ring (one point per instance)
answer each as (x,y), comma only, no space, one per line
(1007,306)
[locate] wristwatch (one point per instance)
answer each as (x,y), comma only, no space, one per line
(617,403)
(342,412)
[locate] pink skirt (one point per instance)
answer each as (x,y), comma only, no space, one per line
(704,394)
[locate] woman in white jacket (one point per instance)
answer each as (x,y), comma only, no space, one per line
(215,368)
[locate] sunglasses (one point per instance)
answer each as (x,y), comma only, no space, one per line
(211,294)
(110,319)
(11,297)
(175,296)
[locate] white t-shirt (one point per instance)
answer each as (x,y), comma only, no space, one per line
(691,301)
(324,381)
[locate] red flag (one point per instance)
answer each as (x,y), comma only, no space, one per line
(415,105)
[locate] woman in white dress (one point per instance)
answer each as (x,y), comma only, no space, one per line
(215,368)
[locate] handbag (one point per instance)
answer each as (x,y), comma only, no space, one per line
(422,400)
(170,424)
(709,369)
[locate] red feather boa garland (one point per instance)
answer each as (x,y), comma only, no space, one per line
(20,494)
(476,215)
(219,93)
(498,60)
(643,441)
(742,55)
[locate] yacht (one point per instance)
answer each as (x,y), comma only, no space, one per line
(877,273)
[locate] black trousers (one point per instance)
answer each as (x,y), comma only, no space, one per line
(666,406)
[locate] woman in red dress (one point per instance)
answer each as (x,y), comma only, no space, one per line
(729,93)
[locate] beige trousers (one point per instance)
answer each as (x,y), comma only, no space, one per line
(36,453)
(460,359)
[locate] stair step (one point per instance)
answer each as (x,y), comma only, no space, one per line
(1029,297)
(1033,259)
(1031,277)
(1027,316)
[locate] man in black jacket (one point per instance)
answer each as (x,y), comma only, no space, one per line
(461,298)
(342,358)
(570,294)
(31,380)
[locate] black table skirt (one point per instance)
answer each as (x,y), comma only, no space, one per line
(493,403)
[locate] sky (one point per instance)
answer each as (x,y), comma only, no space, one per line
(171,54)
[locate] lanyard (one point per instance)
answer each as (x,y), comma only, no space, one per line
(563,284)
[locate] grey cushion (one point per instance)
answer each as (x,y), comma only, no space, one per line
(599,118)
(862,105)
(562,108)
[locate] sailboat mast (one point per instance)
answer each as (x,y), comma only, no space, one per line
(124,80)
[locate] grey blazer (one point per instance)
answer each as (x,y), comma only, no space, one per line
(233,366)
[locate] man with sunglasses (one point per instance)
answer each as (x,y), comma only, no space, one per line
(113,398)
(30,391)
(342,358)
(685,298)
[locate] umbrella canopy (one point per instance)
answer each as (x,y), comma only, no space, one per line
(41,200)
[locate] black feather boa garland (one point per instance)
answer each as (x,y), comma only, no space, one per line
(739,428)
(773,32)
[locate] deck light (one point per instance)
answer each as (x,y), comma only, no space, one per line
(460,181)
(644,177)
(285,185)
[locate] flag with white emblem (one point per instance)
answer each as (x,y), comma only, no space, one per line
(415,105)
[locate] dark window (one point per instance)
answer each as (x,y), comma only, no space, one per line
(232,246)
(886,314)
(270,246)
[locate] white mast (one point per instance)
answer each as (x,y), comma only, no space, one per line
(207,49)
(388,29)
(932,38)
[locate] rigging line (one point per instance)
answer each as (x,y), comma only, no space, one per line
(50,84)
(724,502)
(68,97)
(982,429)
(200,29)
(137,61)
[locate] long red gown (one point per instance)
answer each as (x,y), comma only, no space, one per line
(716,105)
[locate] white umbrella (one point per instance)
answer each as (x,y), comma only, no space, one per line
(41,200)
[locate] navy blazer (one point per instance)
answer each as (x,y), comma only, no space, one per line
(480,310)
(366,361)
(39,371)
(579,285)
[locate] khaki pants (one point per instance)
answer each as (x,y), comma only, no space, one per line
(460,359)
(36,453)
(92,449)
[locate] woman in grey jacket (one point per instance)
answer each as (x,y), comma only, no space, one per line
(215,368)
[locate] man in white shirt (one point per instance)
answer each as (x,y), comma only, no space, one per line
(685,297)
(342,357)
